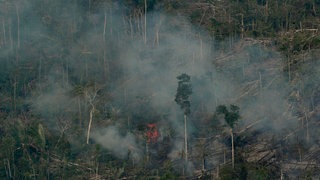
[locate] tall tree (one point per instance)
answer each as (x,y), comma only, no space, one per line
(184,90)
(231,116)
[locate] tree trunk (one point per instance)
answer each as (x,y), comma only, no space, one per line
(224,156)
(145,22)
(314,7)
(18,19)
(106,66)
(10,35)
(203,163)
(80,113)
(14,93)
(4,32)
(185,138)
(307,122)
(260,81)
(242,27)
(289,69)
(147,151)
(232,148)
(90,122)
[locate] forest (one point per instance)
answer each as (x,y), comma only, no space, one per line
(159,89)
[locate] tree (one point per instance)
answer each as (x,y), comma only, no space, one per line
(89,93)
(231,116)
(184,90)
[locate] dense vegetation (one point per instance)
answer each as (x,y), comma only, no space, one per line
(92,89)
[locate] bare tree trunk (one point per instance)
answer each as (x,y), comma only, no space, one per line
(97,171)
(5,168)
(289,69)
(14,93)
(40,70)
(300,155)
(111,22)
(157,37)
(10,35)
(91,98)
(147,151)
(80,113)
(90,122)
(7,165)
(4,32)
(106,65)
(267,8)
(89,3)
(145,22)
(260,81)
(218,172)
(224,156)
(201,47)
(185,138)
(203,163)
(314,7)
(232,148)
(67,72)
(18,19)
(307,122)
(242,27)
(131,27)
(129,124)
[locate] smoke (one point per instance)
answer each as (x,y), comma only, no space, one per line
(123,146)
(72,46)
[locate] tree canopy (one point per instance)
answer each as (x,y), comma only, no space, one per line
(231,115)
(184,90)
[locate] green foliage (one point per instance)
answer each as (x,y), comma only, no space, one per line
(244,170)
(231,116)
(184,90)
(168,176)
(229,173)
(54,52)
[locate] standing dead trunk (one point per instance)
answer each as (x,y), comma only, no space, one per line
(224,156)
(8,168)
(91,98)
(185,138)
(106,65)
(314,7)
(203,163)
(80,113)
(131,27)
(307,123)
(14,93)
(242,27)
(90,122)
(4,32)
(145,22)
(289,69)
(267,8)
(147,151)
(157,37)
(201,47)
(232,148)
(260,81)
(10,35)
(18,19)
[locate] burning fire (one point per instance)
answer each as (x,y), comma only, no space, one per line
(152,133)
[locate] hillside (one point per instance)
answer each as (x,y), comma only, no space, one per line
(153,89)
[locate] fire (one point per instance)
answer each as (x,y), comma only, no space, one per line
(152,133)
